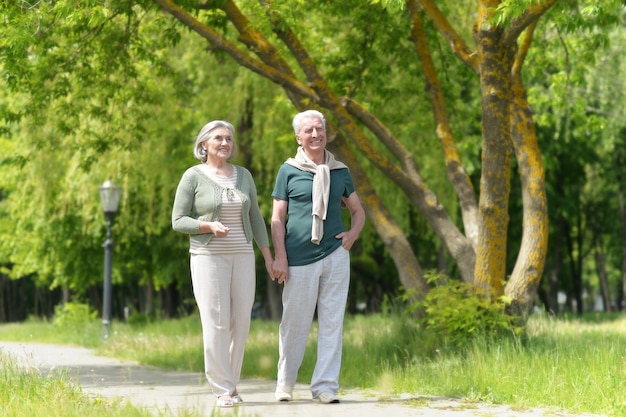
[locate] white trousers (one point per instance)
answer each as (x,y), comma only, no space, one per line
(224,288)
(323,284)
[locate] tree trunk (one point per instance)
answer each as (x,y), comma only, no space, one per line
(575,254)
(494,69)
(622,212)
(148,299)
(557,265)
(526,276)
(274,300)
(409,269)
(602,275)
(4,281)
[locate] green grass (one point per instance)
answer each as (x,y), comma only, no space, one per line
(28,393)
(576,364)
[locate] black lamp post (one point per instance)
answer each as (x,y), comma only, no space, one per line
(110,197)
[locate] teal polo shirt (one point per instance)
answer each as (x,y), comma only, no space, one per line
(296,187)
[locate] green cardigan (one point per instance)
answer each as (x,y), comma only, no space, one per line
(198,198)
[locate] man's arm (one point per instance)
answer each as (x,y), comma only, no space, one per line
(279,216)
(357,220)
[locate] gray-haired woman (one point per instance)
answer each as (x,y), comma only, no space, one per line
(216,205)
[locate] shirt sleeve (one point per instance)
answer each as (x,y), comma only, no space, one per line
(280,187)
(349,185)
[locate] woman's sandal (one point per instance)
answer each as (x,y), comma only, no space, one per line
(236,398)
(225,401)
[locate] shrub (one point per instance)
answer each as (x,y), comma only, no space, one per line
(454,314)
(79,321)
(73,315)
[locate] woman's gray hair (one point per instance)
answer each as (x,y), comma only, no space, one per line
(206,134)
(307,114)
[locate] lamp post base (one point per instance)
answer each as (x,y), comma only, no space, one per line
(106,329)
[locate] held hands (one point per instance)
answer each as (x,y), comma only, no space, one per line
(279,270)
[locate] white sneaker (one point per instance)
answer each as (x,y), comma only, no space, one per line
(282,395)
(327,398)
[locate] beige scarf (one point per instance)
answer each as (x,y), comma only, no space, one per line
(321,187)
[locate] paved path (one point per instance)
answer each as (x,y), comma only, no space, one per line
(157,389)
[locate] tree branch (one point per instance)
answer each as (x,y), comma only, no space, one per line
(409,180)
(240,57)
(458,46)
(530,16)
(454,168)
(524,47)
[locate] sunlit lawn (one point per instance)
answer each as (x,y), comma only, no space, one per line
(574,364)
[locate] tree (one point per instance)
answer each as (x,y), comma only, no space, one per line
(100,112)
(383,52)
(572,84)
(507,125)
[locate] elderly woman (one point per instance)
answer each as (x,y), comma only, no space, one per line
(311,249)
(216,205)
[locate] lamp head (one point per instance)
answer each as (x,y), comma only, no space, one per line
(110,197)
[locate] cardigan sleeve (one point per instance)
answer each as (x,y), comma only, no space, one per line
(259,229)
(182,216)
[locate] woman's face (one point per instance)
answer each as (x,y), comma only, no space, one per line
(312,136)
(220,145)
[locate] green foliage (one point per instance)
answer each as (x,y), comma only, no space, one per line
(394,5)
(574,91)
(78,321)
(117,90)
(131,122)
(137,318)
(73,315)
(511,9)
(454,314)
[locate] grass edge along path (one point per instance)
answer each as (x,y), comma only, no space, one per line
(28,392)
(572,364)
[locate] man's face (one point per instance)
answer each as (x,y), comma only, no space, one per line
(312,136)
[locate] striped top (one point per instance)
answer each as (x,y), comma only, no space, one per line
(235,241)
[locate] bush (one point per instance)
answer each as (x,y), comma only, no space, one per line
(73,315)
(453,314)
(79,321)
